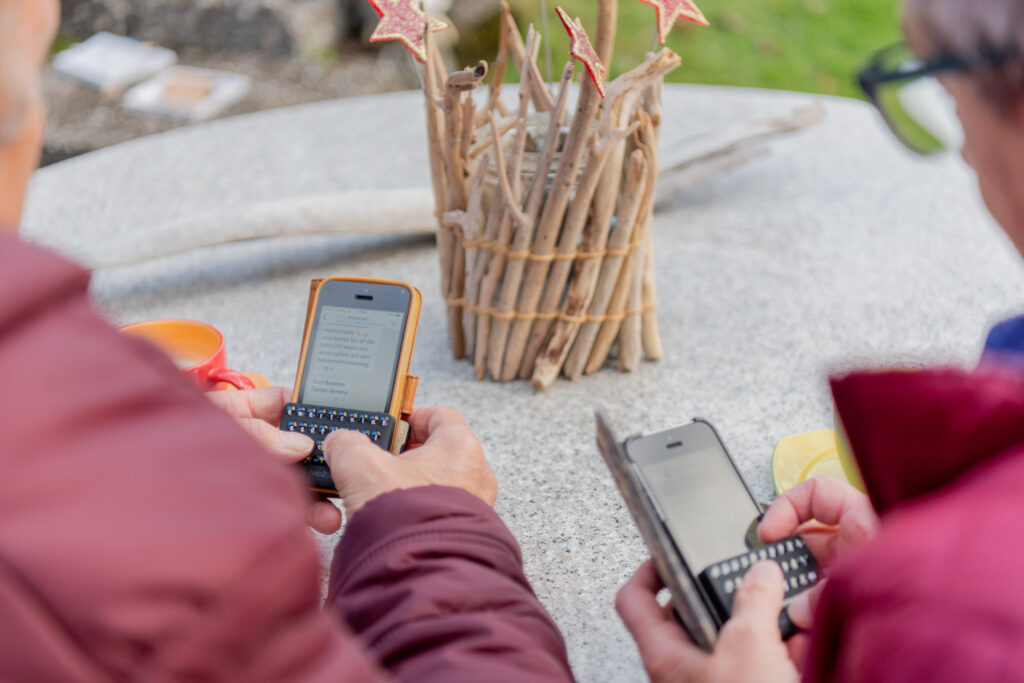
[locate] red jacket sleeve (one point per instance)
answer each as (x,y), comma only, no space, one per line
(433,582)
(143,535)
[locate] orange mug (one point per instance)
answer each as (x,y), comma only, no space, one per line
(197,349)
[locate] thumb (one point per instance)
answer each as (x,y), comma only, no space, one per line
(759,600)
(289,446)
(346,449)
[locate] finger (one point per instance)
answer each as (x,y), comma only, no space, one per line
(439,426)
(663,644)
(265,403)
(797,647)
(759,600)
(289,446)
(824,499)
(801,607)
(324,517)
(346,448)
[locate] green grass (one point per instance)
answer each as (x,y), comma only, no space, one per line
(807,45)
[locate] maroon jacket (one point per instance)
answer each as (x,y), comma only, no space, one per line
(145,537)
(939,594)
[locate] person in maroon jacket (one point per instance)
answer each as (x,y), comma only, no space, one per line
(924,572)
(145,535)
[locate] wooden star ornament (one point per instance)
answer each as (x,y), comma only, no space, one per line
(580,48)
(404,20)
(670,10)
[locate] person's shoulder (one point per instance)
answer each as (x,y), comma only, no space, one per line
(955,545)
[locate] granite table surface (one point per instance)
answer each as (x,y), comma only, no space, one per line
(836,249)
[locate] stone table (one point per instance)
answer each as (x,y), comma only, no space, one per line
(836,249)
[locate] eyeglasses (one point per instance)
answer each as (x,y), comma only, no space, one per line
(917,108)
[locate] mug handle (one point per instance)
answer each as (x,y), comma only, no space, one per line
(232,377)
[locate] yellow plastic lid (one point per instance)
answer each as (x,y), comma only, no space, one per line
(800,457)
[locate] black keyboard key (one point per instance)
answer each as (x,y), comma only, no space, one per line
(722,579)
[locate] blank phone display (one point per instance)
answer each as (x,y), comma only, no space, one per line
(706,506)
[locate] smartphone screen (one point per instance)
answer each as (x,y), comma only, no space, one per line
(706,505)
(354,346)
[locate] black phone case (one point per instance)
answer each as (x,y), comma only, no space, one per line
(703,598)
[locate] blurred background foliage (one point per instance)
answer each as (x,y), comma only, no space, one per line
(807,45)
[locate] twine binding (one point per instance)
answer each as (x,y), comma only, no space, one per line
(554,315)
(506,251)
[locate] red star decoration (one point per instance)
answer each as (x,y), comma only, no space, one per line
(670,10)
(581,49)
(404,20)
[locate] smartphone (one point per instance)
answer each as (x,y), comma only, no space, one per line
(703,532)
(353,366)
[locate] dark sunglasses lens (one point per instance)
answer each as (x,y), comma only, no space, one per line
(921,113)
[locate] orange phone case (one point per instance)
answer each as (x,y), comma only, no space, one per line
(404,392)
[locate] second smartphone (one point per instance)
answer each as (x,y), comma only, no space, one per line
(711,516)
(353,366)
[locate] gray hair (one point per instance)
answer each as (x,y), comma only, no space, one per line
(976,31)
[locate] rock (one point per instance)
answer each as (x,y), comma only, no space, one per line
(270,28)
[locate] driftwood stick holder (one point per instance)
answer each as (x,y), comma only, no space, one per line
(544,225)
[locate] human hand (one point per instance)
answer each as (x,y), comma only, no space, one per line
(830,516)
(258,411)
(444,451)
(749,645)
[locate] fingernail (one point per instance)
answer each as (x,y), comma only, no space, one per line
(295,442)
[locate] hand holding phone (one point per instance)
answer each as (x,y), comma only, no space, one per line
(695,514)
(830,516)
(748,651)
(353,368)
(257,412)
(449,454)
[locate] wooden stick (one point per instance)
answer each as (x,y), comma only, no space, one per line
(458,83)
(651,338)
(630,280)
(586,283)
(579,211)
(547,232)
(521,241)
(473,233)
(475,270)
(452,254)
(434,57)
(439,173)
(621,95)
(501,62)
(541,97)
(582,352)
(435,133)
(607,19)
(468,129)
(496,267)
(554,132)
(604,208)
(497,218)
(634,190)
(503,128)
(505,185)
(469,224)
(630,345)
(616,307)
(654,68)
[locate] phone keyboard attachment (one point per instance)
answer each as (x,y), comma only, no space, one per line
(318,423)
(799,569)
